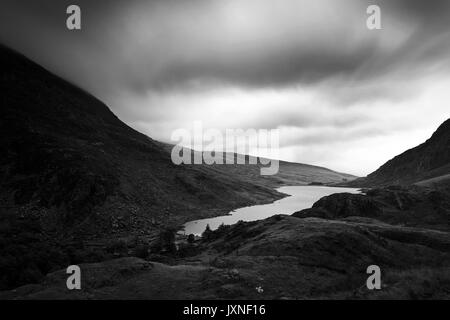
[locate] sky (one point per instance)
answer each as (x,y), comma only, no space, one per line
(342,96)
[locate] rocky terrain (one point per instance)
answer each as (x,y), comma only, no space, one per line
(411,206)
(317,253)
(282,257)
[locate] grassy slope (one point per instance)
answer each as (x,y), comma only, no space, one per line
(290,173)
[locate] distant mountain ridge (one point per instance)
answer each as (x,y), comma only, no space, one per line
(428,160)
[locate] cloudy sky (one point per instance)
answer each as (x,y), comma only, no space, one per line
(342,96)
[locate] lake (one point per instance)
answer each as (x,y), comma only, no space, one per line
(300,197)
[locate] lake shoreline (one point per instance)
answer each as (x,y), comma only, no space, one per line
(304,197)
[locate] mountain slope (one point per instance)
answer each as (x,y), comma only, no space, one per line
(65,149)
(71,172)
(289,173)
(429,160)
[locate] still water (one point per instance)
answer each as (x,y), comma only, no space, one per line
(300,197)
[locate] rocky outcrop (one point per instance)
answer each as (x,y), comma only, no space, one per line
(342,205)
(411,206)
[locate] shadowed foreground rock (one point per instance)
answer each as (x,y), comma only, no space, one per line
(288,257)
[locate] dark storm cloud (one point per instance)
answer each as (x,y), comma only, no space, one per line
(307,118)
(418,9)
(327,137)
(293,65)
(164,45)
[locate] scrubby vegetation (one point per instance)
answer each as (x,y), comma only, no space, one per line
(26,254)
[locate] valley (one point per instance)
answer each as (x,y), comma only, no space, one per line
(79,186)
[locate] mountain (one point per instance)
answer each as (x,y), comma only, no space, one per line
(290,173)
(427,161)
(76,181)
(64,149)
(64,152)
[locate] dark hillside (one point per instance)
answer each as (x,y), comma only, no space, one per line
(429,160)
